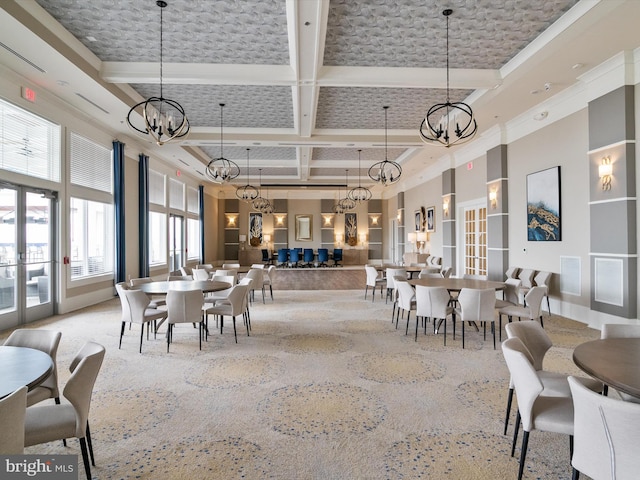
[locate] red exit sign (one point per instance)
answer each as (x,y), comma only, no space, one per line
(29,94)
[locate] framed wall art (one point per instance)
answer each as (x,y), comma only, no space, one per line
(351,229)
(543,205)
(431,219)
(255,229)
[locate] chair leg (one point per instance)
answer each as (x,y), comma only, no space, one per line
(406,332)
(548,306)
(523,453)
(90,445)
(141,335)
(516,428)
(235,333)
(57,400)
(85,457)
(121,334)
(418,321)
(366,289)
(463,334)
(509,402)
(271,291)
(575,475)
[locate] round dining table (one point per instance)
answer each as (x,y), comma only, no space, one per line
(456,284)
(161,288)
(614,361)
(22,366)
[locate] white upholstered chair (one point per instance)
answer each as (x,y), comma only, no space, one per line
(135,309)
(232,306)
(46,341)
(200,274)
(536,411)
(154,301)
(267,279)
(531,310)
(433,303)
(13,408)
(45,423)
(606,435)
(184,306)
(374,280)
(406,299)
(257,275)
(477,306)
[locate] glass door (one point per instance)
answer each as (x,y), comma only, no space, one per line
(475,240)
(176,242)
(26,267)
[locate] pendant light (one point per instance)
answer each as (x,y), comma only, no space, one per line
(360,194)
(248,192)
(346,202)
(385,172)
(221,170)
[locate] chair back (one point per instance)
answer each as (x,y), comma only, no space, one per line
(512,272)
(533,337)
(13,409)
(184,306)
(533,299)
(46,341)
(134,303)
(405,292)
(265,255)
(256,275)
(428,273)
(283,255)
(84,371)
(542,279)
(230,266)
(620,330)
(224,278)
(323,255)
(477,305)
(606,434)
(307,255)
(510,292)
(294,255)
(135,282)
(186,271)
(258,265)
(446,272)
(177,278)
(228,272)
(206,266)
(200,274)
(372,275)
(526,275)
(394,272)
(432,302)
(236,299)
(337,255)
(525,379)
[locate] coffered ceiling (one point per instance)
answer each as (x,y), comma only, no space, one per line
(304,82)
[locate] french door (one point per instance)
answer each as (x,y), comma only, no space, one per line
(176,242)
(474,239)
(27,276)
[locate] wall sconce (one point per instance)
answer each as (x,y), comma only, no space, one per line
(605,170)
(374,220)
(280,220)
(493,199)
(445,207)
(399,216)
(231,220)
(339,238)
(421,238)
(327,220)
(411,237)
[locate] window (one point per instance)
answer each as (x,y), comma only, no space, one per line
(176,194)
(91,228)
(91,165)
(157,188)
(193,206)
(157,238)
(30,145)
(193,239)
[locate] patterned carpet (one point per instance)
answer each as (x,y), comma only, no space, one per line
(324,388)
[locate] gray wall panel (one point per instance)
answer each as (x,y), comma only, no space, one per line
(611,118)
(618,217)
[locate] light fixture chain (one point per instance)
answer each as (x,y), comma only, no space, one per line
(161,9)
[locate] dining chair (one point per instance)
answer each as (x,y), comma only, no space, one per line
(154,301)
(337,257)
(246,311)
(538,343)
(257,275)
(374,279)
(530,310)
(307,257)
(406,299)
(230,266)
(206,266)
(510,297)
(606,435)
(535,411)
(266,258)
(294,257)
(186,271)
(177,278)
(477,305)
(620,330)
(446,272)
(233,272)
(200,274)
(390,273)
(46,341)
(45,423)
(433,303)
(512,272)
(135,309)
(13,409)
(323,257)
(526,276)
(429,273)
(184,306)
(232,306)
(258,265)
(283,257)
(267,279)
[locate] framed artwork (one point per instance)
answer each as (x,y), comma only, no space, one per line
(418,216)
(543,205)
(255,229)
(351,229)
(431,219)
(304,228)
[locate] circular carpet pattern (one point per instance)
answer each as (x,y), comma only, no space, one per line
(152,408)
(398,368)
(357,326)
(230,372)
(198,457)
(311,411)
(304,344)
(482,393)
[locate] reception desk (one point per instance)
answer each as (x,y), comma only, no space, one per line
(353,256)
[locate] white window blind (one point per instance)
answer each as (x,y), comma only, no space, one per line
(193,206)
(157,188)
(176,194)
(91,164)
(30,145)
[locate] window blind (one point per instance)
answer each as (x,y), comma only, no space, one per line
(91,164)
(157,188)
(176,194)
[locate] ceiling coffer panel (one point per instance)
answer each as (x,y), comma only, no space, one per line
(246,106)
(361,108)
(194,31)
(412,33)
(239,154)
(367,156)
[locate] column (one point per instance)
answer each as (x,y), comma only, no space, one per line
(498,214)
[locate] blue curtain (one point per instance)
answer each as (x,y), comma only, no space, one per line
(119,207)
(143,208)
(201,208)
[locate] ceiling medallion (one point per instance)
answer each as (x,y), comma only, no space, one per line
(360,194)
(164,119)
(385,172)
(247,193)
(441,117)
(221,170)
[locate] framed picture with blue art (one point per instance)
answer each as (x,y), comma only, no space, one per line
(543,205)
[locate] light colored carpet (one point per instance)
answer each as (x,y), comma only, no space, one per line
(324,388)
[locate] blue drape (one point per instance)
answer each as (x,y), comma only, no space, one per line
(119,210)
(143,216)
(201,208)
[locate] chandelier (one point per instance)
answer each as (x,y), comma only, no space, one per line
(247,193)
(338,208)
(221,170)
(260,203)
(164,119)
(385,172)
(346,202)
(441,117)
(360,193)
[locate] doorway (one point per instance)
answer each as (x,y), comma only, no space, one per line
(176,242)
(27,276)
(472,235)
